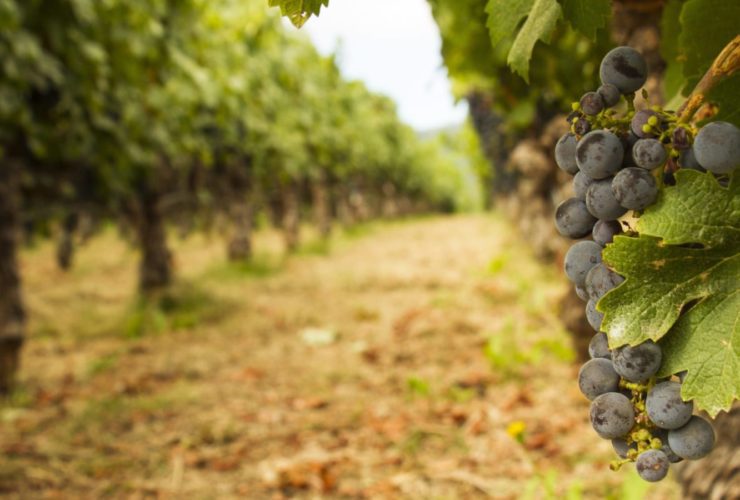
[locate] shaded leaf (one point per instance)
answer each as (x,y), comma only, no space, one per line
(504,18)
(670,50)
(707,26)
(726,95)
(706,343)
(587,16)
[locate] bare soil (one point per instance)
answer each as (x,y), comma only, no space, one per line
(417,359)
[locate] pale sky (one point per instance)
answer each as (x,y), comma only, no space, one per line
(394,47)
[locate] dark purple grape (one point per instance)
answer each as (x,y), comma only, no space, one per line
(652,465)
(634,188)
(605,230)
(621,448)
(593,316)
(597,377)
(581,182)
(610,94)
(592,103)
(572,219)
(581,293)
(565,153)
(637,363)
(599,154)
(649,153)
(600,280)
(625,68)
(612,415)
(717,147)
(579,260)
(640,120)
(599,346)
(601,202)
(692,441)
(662,434)
(666,408)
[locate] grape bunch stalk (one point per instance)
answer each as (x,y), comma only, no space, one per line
(620,161)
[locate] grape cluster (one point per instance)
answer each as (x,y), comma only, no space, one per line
(619,164)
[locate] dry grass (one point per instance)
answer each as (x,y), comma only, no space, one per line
(421,359)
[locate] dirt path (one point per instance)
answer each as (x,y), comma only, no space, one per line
(421,360)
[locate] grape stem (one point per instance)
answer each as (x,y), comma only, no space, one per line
(726,63)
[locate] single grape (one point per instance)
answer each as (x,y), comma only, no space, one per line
(600,280)
(640,126)
(597,377)
(612,415)
(649,153)
(637,363)
(687,159)
(662,434)
(652,465)
(592,103)
(680,139)
(572,219)
(581,257)
(621,447)
(593,316)
(692,441)
(582,294)
(599,154)
(604,231)
(610,94)
(666,408)
(565,153)
(625,68)
(717,147)
(634,188)
(581,182)
(599,347)
(601,202)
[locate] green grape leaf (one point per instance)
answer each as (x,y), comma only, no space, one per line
(726,95)
(705,342)
(670,50)
(299,11)
(696,210)
(661,277)
(587,16)
(504,17)
(707,26)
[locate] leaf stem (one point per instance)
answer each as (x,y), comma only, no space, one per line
(726,63)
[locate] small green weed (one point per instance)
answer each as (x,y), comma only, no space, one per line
(182,307)
(418,387)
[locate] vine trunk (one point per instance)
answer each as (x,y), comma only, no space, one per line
(12,312)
